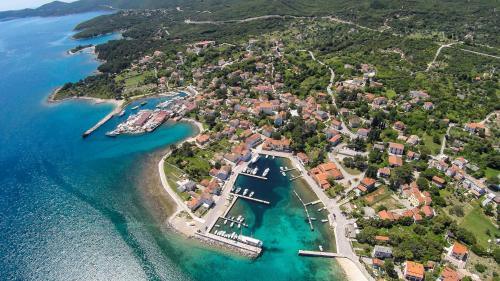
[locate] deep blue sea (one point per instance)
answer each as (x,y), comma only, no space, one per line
(73,208)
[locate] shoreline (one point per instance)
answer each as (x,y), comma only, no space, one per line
(182,221)
(52,100)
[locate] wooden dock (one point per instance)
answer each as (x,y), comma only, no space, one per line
(251,198)
(320,254)
(305,209)
(255,176)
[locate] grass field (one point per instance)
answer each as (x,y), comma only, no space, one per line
(478,223)
(490,173)
(434,147)
(173,175)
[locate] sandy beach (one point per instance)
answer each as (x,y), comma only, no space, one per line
(351,271)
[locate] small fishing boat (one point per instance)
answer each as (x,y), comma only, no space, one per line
(135,107)
(251,194)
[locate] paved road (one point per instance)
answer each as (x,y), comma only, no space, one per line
(221,204)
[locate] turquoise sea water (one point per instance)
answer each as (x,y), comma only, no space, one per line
(71,209)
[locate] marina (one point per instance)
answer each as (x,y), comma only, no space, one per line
(144,121)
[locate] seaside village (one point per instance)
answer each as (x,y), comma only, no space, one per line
(392,200)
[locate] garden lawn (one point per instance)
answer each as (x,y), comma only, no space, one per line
(478,223)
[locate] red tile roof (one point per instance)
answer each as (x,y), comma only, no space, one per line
(414,269)
(459,249)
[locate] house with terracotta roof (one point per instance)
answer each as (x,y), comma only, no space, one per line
(194,203)
(457,255)
(428,211)
(384,172)
(411,155)
(413,140)
(382,238)
(335,140)
(303,158)
(222,173)
(395,161)
(377,264)
(202,139)
(336,124)
(323,172)
(366,185)
(428,105)
(473,127)
(399,126)
(449,274)
(363,133)
(396,148)
(213,187)
(438,181)
(388,215)
(418,198)
(277,145)
(253,140)
(459,251)
(414,271)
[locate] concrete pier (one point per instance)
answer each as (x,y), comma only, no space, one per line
(99,124)
(305,209)
(255,176)
(106,118)
(252,199)
(320,254)
(250,248)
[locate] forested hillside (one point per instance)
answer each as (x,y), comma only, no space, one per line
(459,19)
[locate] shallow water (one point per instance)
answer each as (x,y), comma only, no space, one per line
(71,208)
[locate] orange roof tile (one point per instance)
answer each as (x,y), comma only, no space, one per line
(414,269)
(449,274)
(459,249)
(395,160)
(382,238)
(368,181)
